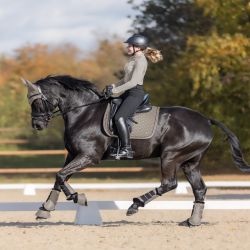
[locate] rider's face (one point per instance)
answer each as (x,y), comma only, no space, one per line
(130,49)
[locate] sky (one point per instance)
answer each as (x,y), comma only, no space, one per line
(81,22)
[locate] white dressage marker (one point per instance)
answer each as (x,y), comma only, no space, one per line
(90,215)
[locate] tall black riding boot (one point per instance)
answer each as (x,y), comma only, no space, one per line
(126,150)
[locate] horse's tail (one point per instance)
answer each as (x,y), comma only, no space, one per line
(235,147)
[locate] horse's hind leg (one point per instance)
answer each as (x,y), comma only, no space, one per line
(192,172)
(168,183)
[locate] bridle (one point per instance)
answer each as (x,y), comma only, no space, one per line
(47,115)
(42,116)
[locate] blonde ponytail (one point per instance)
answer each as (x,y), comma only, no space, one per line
(153,55)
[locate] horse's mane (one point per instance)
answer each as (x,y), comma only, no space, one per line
(69,82)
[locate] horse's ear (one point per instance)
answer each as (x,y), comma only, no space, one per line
(26,82)
(23,81)
(32,88)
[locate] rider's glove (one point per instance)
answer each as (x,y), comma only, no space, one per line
(108,91)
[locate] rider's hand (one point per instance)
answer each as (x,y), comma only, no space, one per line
(108,91)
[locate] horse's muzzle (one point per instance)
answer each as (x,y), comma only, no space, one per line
(39,125)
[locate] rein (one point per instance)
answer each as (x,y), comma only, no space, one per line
(47,115)
(58,112)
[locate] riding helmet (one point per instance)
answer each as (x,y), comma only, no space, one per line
(138,41)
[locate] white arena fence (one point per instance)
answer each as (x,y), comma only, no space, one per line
(182,188)
(90,215)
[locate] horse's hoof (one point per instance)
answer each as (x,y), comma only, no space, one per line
(42,214)
(193,223)
(187,223)
(184,223)
(132,210)
(82,200)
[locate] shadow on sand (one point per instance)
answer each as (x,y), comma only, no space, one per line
(34,224)
(151,223)
(105,224)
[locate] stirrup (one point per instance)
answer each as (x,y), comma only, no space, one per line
(125,152)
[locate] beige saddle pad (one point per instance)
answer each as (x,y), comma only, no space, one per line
(145,127)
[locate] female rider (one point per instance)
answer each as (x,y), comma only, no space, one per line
(130,88)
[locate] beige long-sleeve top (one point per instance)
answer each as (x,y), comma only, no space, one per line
(135,70)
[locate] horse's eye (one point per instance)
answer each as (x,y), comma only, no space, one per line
(37,105)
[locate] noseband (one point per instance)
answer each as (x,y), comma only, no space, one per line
(42,116)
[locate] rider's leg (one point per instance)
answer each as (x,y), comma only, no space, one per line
(127,109)
(122,128)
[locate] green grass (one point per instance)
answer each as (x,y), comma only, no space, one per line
(57,161)
(51,179)
(31,161)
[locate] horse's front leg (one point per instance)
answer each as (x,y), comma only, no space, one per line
(78,163)
(50,204)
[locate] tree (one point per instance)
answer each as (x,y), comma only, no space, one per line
(39,60)
(229,16)
(206,47)
(169,23)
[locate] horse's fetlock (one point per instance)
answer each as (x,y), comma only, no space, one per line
(196,216)
(50,203)
(138,202)
(72,197)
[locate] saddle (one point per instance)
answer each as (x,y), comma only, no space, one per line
(115,103)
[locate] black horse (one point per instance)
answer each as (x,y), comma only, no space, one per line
(181,139)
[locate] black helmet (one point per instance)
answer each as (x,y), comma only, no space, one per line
(138,41)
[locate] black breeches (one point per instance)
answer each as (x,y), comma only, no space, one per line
(132,99)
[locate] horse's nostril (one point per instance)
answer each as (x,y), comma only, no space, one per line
(35,126)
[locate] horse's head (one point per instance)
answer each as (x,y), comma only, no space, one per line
(41,106)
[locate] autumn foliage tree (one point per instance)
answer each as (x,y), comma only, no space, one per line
(206,45)
(39,60)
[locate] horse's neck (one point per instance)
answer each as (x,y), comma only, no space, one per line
(84,114)
(73,99)
(86,117)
